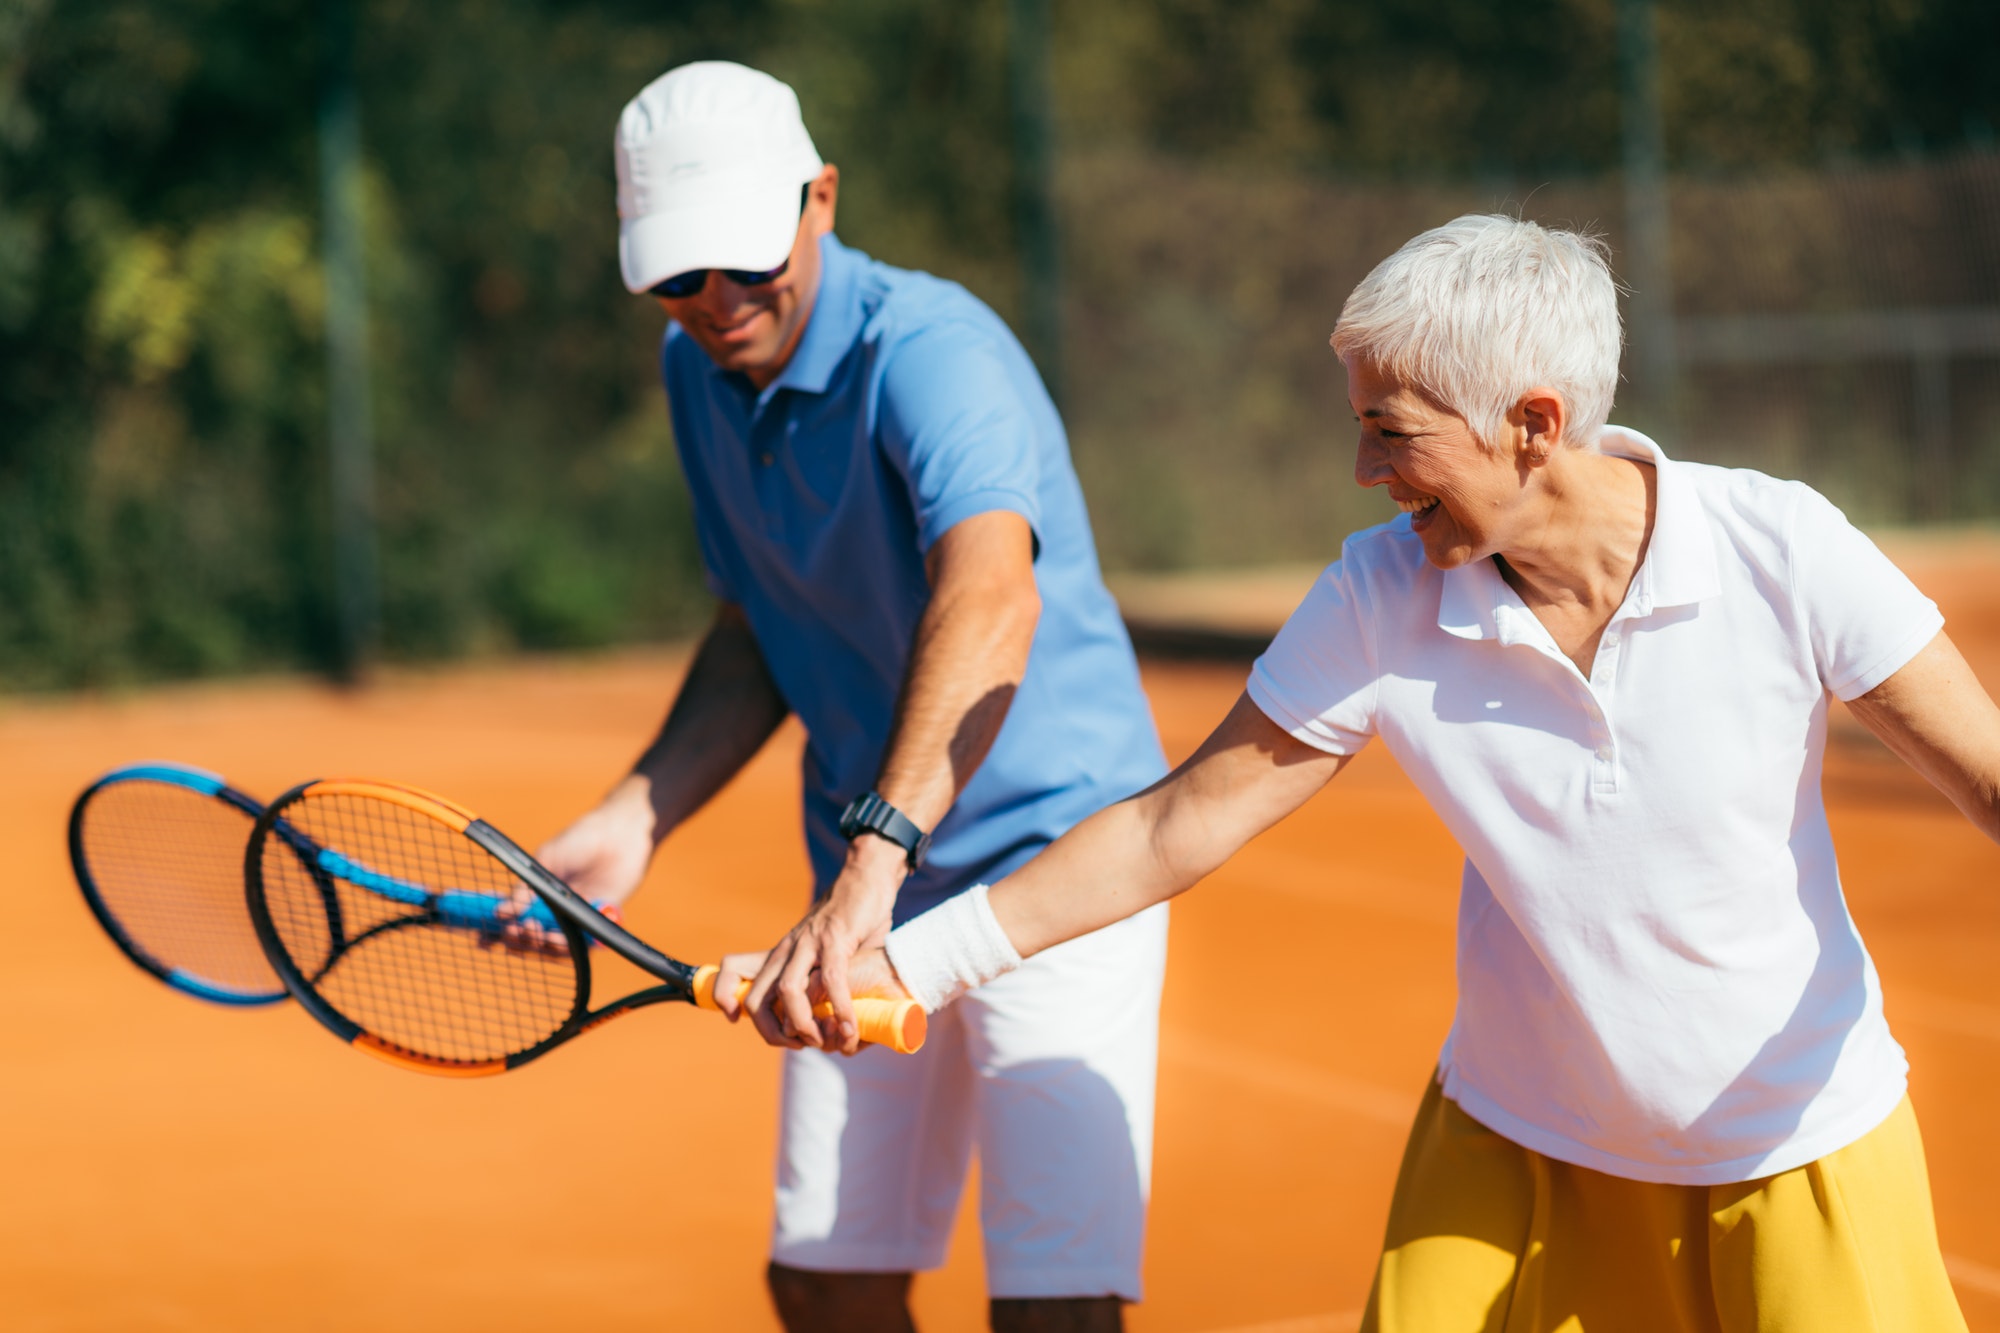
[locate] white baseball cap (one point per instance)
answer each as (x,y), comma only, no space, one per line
(710,160)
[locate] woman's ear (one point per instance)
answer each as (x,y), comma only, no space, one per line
(1542,415)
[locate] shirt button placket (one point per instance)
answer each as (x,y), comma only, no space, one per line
(769,456)
(1604,756)
(1604,768)
(1603,673)
(765,454)
(1605,668)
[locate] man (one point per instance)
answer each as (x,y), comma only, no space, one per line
(888,515)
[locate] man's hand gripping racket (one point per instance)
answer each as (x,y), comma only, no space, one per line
(413,974)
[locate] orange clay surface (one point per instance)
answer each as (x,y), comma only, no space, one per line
(170,1165)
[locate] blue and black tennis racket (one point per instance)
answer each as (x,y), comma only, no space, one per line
(158,852)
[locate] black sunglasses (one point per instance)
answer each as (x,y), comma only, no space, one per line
(690,283)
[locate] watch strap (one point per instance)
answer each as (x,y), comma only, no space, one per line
(869,813)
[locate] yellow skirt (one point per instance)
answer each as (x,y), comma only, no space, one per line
(1486,1236)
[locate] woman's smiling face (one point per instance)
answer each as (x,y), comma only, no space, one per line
(1458,493)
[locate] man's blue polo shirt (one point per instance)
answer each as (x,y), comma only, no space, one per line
(908,407)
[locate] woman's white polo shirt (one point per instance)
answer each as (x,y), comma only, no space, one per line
(1658,976)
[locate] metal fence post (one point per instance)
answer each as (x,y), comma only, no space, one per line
(1034,186)
(1648,244)
(343,254)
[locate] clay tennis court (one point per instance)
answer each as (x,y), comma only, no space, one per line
(170,1165)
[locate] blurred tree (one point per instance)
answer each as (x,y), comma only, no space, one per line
(162,494)
(1456,86)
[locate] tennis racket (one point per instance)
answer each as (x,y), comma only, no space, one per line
(158,852)
(453,951)
(157,849)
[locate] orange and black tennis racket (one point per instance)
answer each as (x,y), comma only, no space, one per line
(425,964)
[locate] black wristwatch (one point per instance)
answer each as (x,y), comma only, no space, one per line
(869,813)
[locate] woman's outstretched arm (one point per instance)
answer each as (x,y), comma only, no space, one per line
(1247,775)
(1935,714)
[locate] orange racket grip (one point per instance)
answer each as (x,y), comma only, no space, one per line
(901,1025)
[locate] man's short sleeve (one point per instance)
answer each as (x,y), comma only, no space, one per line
(1865,618)
(957,422)
(1318,679)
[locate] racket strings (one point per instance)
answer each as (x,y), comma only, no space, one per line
(167,863)
(446,991)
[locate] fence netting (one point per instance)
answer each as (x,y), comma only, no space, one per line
(1838,325)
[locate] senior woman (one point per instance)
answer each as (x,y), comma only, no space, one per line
(1669,1099)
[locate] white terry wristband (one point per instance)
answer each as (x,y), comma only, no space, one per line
(950,949)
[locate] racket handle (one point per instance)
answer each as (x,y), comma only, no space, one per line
(901,1025)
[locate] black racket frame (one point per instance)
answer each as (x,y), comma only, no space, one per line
(86,881)
(580,922)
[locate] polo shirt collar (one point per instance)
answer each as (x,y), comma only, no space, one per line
(831,329)
(1679,568)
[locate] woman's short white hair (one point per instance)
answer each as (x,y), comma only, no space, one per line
(1475,313)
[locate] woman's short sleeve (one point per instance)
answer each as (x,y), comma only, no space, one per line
(1865,618)
(1318,678)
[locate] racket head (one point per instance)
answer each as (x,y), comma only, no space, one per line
(157,849)
(412,966)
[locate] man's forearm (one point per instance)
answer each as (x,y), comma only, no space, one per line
(726,709)
(968,658)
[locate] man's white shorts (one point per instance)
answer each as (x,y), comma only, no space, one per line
(1049,1071)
